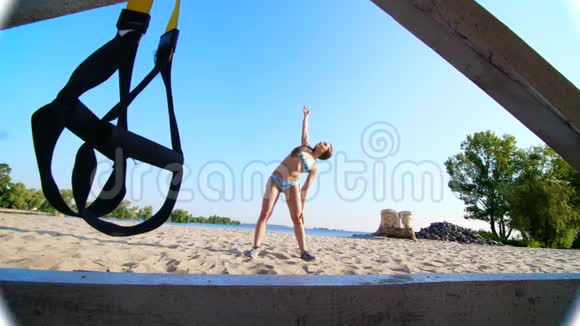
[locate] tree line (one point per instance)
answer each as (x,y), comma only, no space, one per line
(531,190)
(18,196)
(183,216)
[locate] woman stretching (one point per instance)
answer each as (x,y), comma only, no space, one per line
(285,179)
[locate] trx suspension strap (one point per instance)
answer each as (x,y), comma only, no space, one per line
(115,142)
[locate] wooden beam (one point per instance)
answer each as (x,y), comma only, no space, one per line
(500,63)
(38,297)
(29,11)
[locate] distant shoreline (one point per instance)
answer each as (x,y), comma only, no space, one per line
(18,211)
(321,229)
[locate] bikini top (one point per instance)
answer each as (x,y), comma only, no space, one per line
(307,163)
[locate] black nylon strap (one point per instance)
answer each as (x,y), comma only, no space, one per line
(174,164)
(114,142)
(84,78)
(134,20)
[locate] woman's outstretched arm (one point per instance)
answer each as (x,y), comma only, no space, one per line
(309,180)
(305,140)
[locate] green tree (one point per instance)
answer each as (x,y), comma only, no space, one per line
(179,216)
(481,175)
(47,207)
(34,199)
(124,211)
(19,197)
(214,219)
(543,198)
(561,170)
(16,196)
(198,219)
(5,183)
(541,210)
(145,212)
(66,195)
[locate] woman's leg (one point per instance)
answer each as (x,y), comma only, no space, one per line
(295,206)
(270,198)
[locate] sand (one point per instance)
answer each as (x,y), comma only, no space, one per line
(69,244)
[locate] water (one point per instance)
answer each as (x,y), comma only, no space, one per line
(249,227)
(252,227)
(274,229)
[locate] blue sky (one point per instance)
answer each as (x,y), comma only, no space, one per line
(241,74)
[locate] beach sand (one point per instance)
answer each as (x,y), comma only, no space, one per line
(67,244)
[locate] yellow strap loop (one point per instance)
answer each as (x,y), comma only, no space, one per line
(143,6)
(172,24)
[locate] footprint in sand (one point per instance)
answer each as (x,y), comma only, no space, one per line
(233,252)
(171,265)
(350,272)
(55,267)
(404,269)
(98,262)
(14,261)
(8,237)
(429,264)
(265,269)
(130,265)
(309,269)
(161,256)
(278,256)
(265,272)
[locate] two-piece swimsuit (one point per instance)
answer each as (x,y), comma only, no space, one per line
(285,184)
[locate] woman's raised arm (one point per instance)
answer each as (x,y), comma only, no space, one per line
(305,140)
